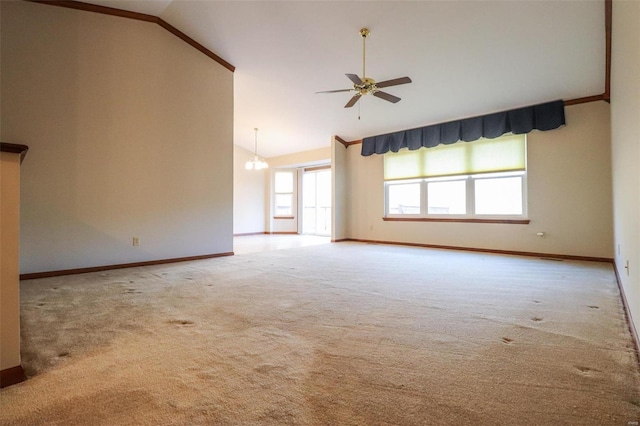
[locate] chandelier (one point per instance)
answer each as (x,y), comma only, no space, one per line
(256,163)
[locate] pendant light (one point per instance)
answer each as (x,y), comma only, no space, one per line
(256,163)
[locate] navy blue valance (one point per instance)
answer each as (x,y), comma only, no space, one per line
(545,116)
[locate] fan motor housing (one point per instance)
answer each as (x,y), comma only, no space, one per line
(368,86)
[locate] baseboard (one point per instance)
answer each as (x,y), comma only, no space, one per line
(483,250)
(244,234)
(11,376)
(339,240)
(627,311)
(47,274)
(282,233)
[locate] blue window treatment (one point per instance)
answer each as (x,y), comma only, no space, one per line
(547,116)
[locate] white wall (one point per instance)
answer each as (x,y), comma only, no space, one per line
(569,196)
(302,158)
(249,197)
(130,131)
(625,139)
(339,191)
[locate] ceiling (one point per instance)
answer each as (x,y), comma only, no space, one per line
(465,58)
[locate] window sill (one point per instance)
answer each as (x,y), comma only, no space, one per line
(462,220)
(284,217)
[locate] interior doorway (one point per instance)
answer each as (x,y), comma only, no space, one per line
(316,201)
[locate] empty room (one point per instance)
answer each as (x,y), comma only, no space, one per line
(319,212)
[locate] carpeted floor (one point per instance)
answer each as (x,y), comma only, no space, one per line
(337,334)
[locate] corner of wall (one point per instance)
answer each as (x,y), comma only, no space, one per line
(625,147)
(340,191)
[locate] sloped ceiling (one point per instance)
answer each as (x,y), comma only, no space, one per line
(465,58)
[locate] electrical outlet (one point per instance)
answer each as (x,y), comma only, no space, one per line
(136,241)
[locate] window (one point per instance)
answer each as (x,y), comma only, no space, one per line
(499,195)
(481,179)
(283,193)
(316,201)
(446,197)
(404,198)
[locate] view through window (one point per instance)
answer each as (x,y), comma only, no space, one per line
(283,193)
(481,179)
(316,199)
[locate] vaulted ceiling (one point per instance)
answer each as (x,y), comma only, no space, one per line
(465,58)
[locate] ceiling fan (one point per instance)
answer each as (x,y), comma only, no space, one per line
(368,86)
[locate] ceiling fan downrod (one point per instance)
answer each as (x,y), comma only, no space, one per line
(364,33)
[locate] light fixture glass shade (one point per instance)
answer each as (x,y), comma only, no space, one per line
(256,163)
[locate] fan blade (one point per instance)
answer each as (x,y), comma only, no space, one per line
(353,101)
(394,82)
(386,97)
(336,91)
(354,78)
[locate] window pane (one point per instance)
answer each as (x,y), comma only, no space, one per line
(447,197)
(284,204)
(404,198)
(309,190)
(499,196)
(324,188)
(284,182)
(309,220)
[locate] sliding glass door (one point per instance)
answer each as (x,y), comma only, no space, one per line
(316,202)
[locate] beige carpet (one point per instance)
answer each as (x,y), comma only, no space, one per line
(338,334)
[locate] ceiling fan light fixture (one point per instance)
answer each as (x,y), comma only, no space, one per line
(256,163)
(366,85)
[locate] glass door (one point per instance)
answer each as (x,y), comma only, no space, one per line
(316,202)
